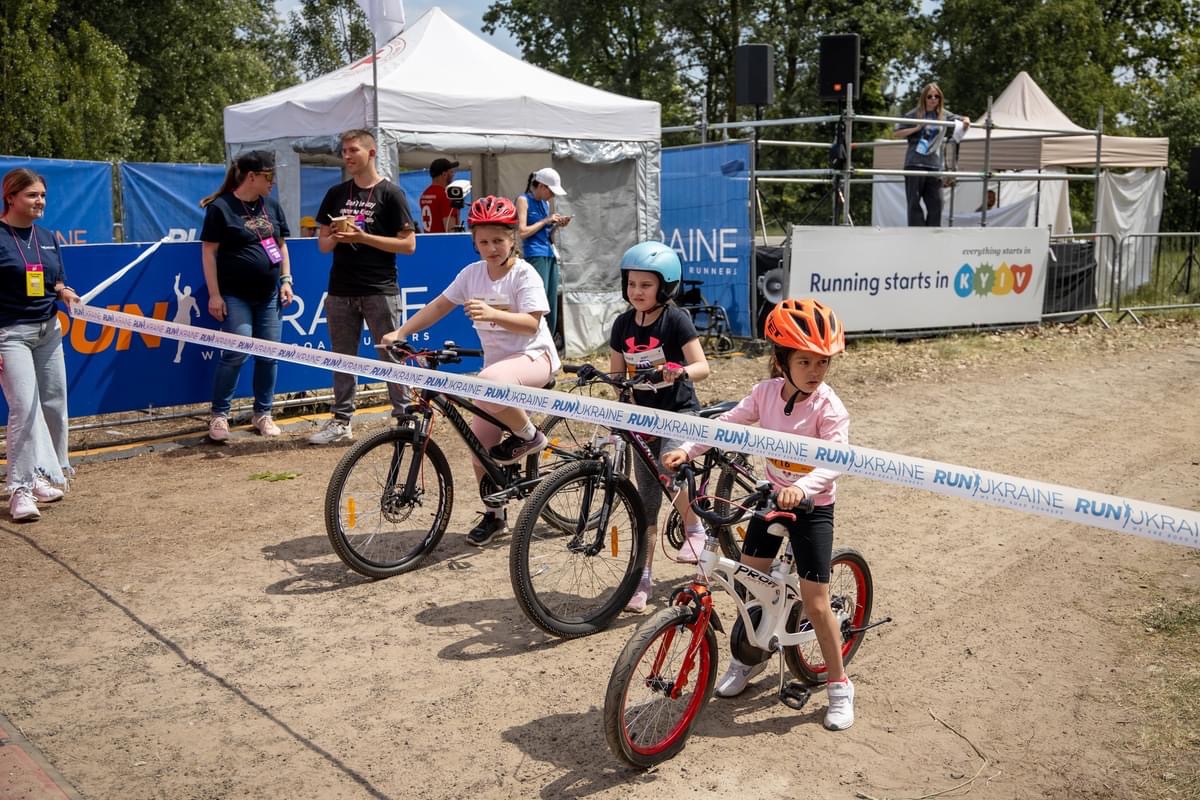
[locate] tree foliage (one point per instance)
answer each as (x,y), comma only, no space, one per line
(326,34)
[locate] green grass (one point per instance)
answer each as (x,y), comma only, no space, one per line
(1171,697)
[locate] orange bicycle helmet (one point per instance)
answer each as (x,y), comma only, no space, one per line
(492,210)
(806,325)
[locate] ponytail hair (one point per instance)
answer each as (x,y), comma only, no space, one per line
(529,183)
(233,179)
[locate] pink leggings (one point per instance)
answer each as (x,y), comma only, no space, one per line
(520,370)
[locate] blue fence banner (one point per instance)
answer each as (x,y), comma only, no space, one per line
(706,220)
(160,200)
(314,183)
(111,370)
(78,197)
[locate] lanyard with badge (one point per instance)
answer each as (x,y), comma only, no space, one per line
(274,254)
(35,275)
(360,219)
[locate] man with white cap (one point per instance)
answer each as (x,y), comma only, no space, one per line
(535,226)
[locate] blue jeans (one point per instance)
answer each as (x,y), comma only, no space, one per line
(261,320)
(34,379)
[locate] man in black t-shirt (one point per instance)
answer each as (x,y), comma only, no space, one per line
(364,222)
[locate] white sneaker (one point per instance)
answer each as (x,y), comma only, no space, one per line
(841,705)
(218,428)
(265,425)
(45,492)
(22,506)
(334,430)
(693,546)
(734,681)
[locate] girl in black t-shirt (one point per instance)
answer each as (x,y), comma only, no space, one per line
(655,333)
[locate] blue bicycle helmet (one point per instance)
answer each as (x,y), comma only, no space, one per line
(652,257)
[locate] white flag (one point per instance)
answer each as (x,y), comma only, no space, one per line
(386,18)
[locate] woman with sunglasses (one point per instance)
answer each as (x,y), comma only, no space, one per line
(925,143)
(249,280)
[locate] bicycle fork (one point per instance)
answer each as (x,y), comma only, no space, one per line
(579,542)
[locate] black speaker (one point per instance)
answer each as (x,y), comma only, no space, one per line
(838,66)
(1194,171)
(754,75)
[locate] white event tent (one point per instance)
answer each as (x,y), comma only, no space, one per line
(445,91)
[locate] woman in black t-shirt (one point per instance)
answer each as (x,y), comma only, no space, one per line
(249,280)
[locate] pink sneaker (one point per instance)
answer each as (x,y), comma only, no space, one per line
(265,425)
(45,492)
(218,429)
(637,603)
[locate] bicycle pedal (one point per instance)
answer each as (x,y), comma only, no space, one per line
(794,695)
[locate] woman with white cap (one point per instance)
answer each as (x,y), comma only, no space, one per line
(535,226)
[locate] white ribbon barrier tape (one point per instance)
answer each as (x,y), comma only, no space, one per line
(1120,514)
(116,276)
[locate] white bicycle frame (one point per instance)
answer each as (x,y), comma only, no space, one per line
(775,598)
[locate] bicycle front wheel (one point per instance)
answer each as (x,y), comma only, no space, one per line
(578,550)
(851,592)
(658,688)
(382,515)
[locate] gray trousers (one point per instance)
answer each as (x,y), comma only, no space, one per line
(34,379)
(345,317)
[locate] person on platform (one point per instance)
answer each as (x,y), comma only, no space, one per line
(925,145)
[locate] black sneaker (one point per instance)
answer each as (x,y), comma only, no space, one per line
(514,448)
(491,526)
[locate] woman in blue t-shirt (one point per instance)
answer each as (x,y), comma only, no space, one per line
(32,371)
(249,279)
(535,226)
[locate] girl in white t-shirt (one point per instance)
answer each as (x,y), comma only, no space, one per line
(506,300)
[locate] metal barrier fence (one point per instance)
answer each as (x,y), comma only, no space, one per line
(1157,272)
(1080,277)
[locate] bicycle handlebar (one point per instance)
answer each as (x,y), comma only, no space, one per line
(450,353)
(587,374)
(764,499)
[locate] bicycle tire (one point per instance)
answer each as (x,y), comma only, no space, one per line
(655,729)
(374,540)
(852,592)
(570,583)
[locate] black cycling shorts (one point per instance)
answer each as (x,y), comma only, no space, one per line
(811,535)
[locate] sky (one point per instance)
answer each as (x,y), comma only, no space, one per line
(468,13)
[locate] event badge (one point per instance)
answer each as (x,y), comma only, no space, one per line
(272,248)
(360,222)
(35,281)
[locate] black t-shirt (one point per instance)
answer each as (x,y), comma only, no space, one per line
(238,228)
(38,246)
(360,270)
(653,346)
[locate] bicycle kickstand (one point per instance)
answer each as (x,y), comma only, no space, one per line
(793,694)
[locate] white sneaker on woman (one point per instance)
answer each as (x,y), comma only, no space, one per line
(22,506)
(45,492)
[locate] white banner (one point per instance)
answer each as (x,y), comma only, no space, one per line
(1153,521)
(892,279)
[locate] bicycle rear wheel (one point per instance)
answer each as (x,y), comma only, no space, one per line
(571,576)
(655,694)
(851,592)
(378,525)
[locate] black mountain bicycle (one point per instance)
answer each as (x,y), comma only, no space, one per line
(390,497)
(580,543)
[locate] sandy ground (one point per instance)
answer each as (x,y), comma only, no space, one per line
(176,629)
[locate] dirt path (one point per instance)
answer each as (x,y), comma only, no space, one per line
(175,629)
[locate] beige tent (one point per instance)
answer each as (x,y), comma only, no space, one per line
(1023,105)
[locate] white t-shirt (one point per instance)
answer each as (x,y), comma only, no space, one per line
(520,290)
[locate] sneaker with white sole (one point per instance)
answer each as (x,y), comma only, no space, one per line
(734,681)
(491,526)
(334,430)
(840,714)
(218,428)
(22,506)
(693,546)
(265,425)
(637,603)
(45,492)
(514,448)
